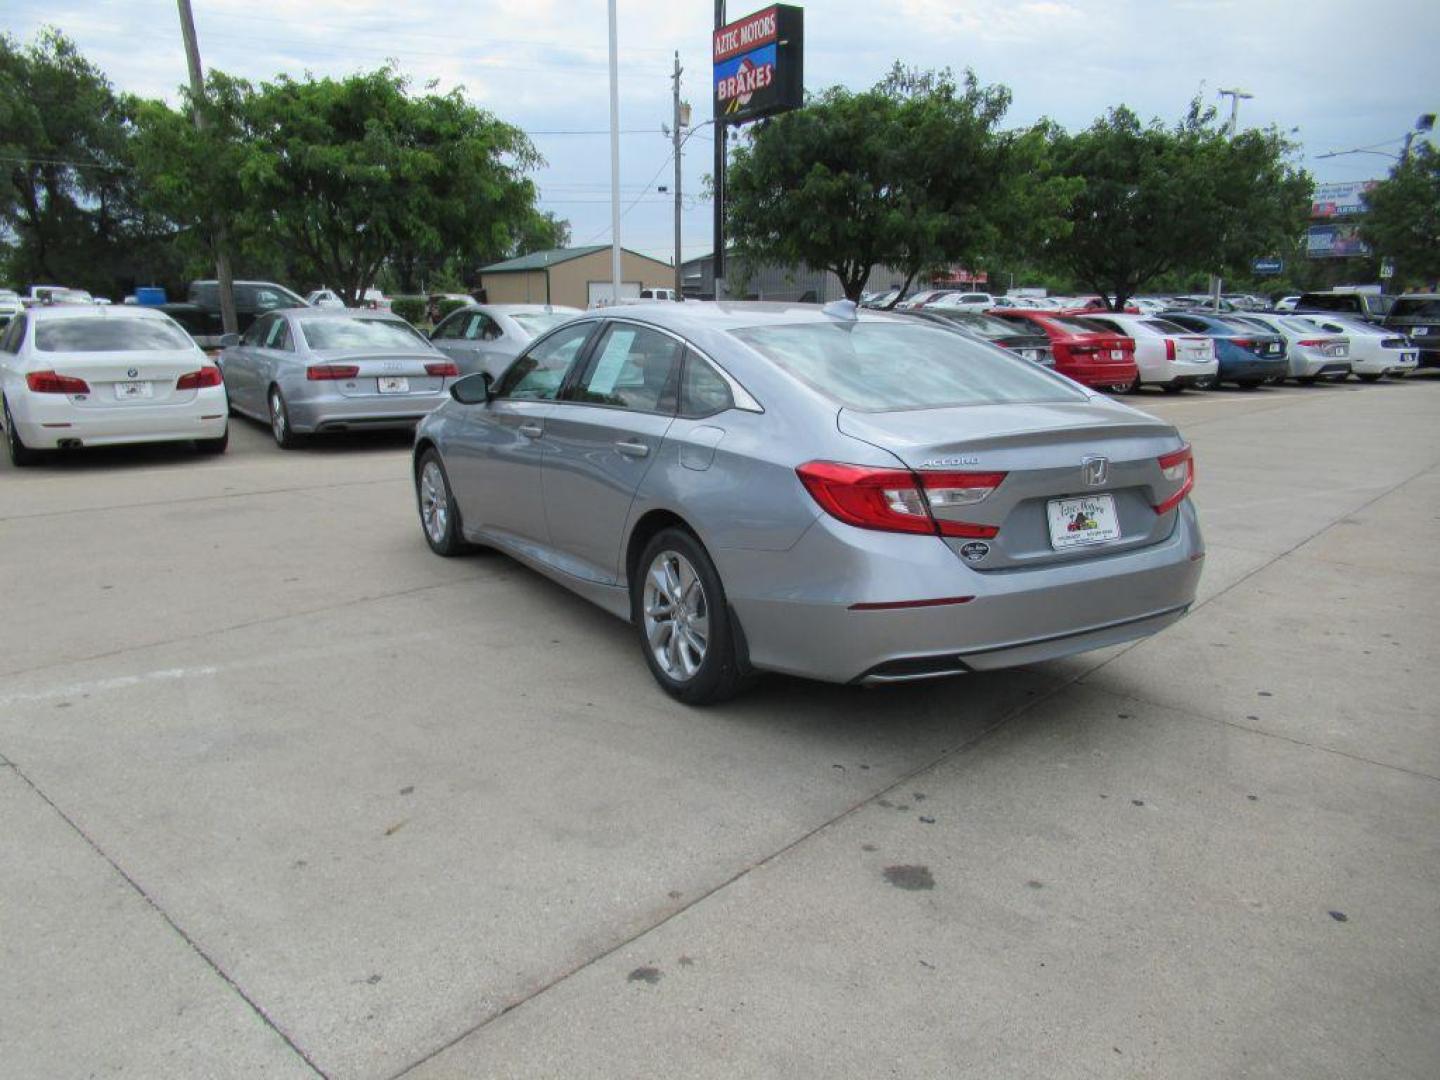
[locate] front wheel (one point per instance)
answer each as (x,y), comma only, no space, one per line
(20,454)
(439,516)
(684,623)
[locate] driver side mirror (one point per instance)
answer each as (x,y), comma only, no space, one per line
(472,389)
(229,340)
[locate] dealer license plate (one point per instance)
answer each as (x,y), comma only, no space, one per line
(394,384)
(1090,519)
(128,391)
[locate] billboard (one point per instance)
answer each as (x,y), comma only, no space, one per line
(1339,200)
(759,64)
(1334,242)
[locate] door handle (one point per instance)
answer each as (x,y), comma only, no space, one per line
(632,449)
(530,430)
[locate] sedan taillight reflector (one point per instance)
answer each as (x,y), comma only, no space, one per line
(47,382)
(331,372)
(1244,343)
(443,369)
(195,380)
(1177,467)
(897,500)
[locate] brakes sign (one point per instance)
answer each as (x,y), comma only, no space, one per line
(758,64)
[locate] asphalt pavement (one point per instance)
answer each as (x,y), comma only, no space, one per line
(282,793)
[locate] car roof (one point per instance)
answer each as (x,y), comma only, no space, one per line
(308,313)
(735,314)
(525,309)
(95,311)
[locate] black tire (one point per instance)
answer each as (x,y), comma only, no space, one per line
(214,446)
(443,532)
(21,455)
(1368,378)
(722,671)
(1205,382)
(1248,384)
(280,428)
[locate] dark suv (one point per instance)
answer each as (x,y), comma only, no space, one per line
(1417,316)
(1372,307)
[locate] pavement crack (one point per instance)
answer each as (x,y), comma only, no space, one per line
(255,1006)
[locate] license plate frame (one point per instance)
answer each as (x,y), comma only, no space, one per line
(1082,521)
(392,384)
(139,390)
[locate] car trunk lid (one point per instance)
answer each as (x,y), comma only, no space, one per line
(1043,450)
(127,378)
(379,374)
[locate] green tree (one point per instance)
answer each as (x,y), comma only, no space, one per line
(1402,220)
(542,231)
(345,175)
(1157,201)
(68,194)
(913,173)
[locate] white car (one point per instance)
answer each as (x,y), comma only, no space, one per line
(326,298)
(1168,355)
(920,299)
(965,301)
(1286,303)
(1374,350)
(100,376)
(10,306)
(1312,353)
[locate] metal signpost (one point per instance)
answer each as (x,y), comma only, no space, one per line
(759,70)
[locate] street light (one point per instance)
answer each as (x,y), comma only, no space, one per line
(1235,97)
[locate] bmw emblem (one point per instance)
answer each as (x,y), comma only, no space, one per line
(974,551)
(133,372)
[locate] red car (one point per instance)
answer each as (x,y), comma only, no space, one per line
(1085,351)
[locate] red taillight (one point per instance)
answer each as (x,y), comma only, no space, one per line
(1177,467)
(47,382)
(330,372)
(897,500)
(1169,348)
(444,369)
(196,380)
(1244,343)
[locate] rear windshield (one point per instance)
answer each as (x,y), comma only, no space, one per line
(359,334)
(1079,326)
(878,367)
(1164,326)
(536,323)
(986,325)
(1417,307)
(1331,302)
(109,335)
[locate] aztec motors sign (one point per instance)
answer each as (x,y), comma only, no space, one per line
(759,64)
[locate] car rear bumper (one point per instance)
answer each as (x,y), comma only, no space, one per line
(1098,375)
(1255,368)
(334,412)
(798,610)
(47,421)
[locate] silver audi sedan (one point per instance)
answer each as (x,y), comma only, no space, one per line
(308,370)
(838,494)
(487,337)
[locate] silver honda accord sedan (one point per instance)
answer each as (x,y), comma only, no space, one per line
(827,492)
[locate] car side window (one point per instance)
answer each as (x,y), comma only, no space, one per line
(633,368)
(14,335)
(259,329)
(268,299)
(451,329)
(279,335)
(538,374)
(703,390)
(483,328)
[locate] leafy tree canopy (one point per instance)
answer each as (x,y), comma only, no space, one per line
(912,173)
(1402,218)
(1157,200)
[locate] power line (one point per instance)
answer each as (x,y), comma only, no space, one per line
(636,203)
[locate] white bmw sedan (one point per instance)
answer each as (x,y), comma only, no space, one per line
(102,376)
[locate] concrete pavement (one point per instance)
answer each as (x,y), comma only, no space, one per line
(284,793)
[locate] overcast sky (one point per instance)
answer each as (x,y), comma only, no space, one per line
(1345,75)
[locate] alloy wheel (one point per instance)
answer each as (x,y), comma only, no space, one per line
(277,417)
(434,504)
(677,615)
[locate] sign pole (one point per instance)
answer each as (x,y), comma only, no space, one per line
(679,284)
(719,179)
(614,164)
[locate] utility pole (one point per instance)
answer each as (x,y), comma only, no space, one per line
(614,164)
(228,322)
(719,178)
(1234,95)
(675,137)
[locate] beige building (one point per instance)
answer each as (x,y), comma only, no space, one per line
(577,277)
